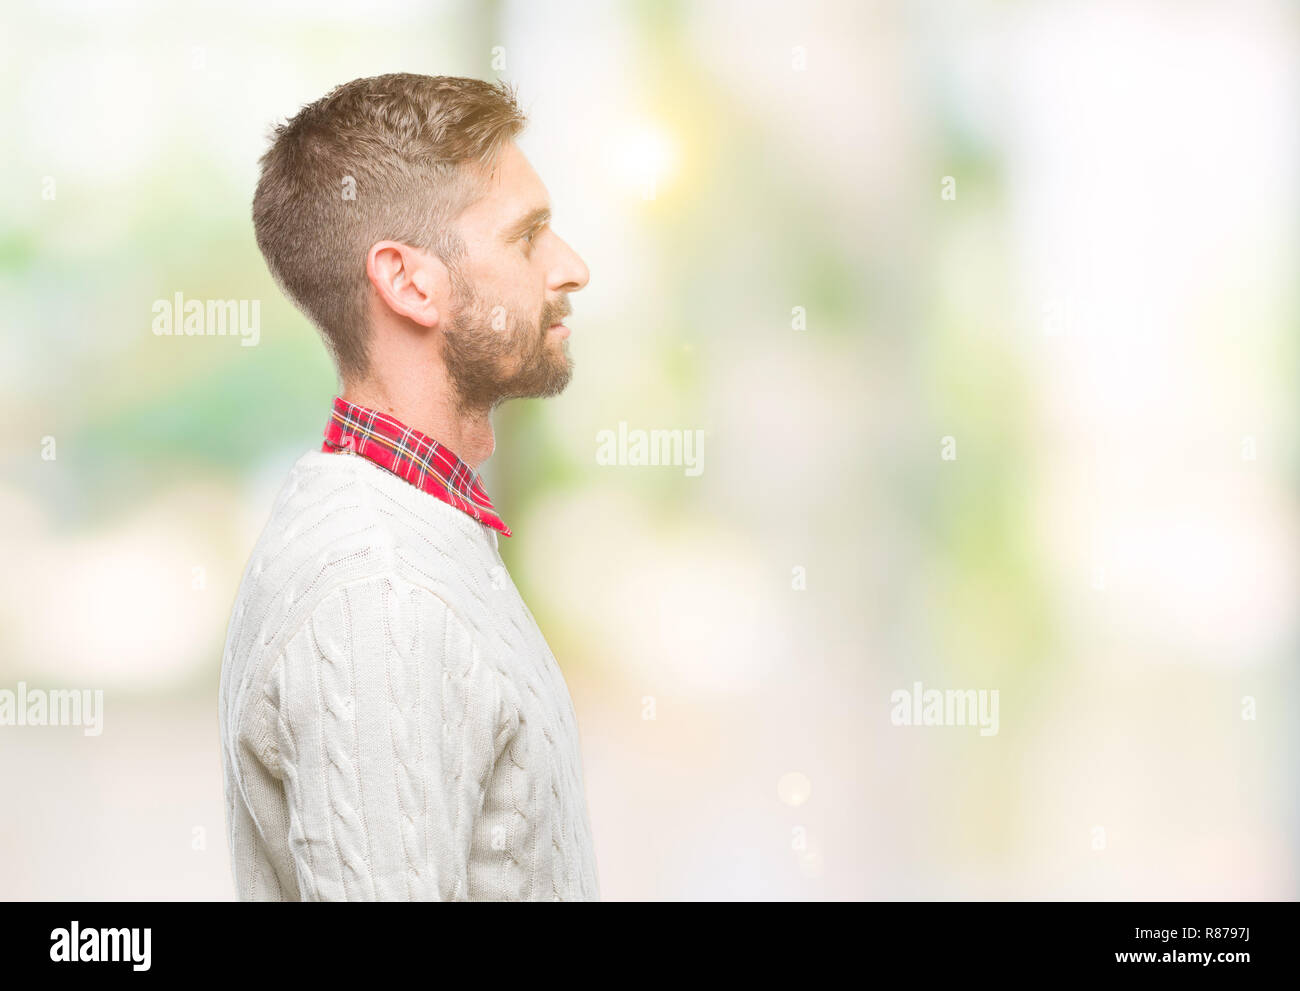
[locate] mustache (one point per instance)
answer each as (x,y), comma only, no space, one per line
(554,313)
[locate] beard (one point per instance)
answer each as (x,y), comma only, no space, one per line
(489,363)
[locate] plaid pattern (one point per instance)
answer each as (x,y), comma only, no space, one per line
(411,455)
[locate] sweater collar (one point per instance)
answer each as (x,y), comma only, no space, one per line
(411,455)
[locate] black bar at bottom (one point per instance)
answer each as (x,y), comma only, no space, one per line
(621,941)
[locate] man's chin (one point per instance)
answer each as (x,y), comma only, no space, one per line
(555,386)
(541,388)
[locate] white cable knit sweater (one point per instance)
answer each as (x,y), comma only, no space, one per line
(393,724)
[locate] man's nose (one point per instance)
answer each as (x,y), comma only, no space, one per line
(570,273)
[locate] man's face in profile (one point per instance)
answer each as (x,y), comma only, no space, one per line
(504,338)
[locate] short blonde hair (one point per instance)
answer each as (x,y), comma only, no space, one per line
(388,158)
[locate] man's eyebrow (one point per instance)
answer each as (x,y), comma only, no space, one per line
(535,218)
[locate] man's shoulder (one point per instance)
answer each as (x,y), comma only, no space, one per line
(339,519)
(345,500)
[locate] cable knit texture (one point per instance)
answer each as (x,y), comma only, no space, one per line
(393,724)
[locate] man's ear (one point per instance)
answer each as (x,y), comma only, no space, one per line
(412,283)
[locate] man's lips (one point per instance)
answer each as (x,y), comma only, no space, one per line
(559,328)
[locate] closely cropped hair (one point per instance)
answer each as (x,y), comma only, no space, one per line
(388,158)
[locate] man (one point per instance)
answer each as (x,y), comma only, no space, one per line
(393,723)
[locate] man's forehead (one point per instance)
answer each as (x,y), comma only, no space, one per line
(513,186)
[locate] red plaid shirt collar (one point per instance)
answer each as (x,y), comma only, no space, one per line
(411,455)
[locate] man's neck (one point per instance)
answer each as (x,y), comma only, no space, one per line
(468,434)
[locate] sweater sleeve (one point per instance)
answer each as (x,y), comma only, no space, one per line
(389,724)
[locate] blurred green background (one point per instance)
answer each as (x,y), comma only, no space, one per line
(1098,320)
